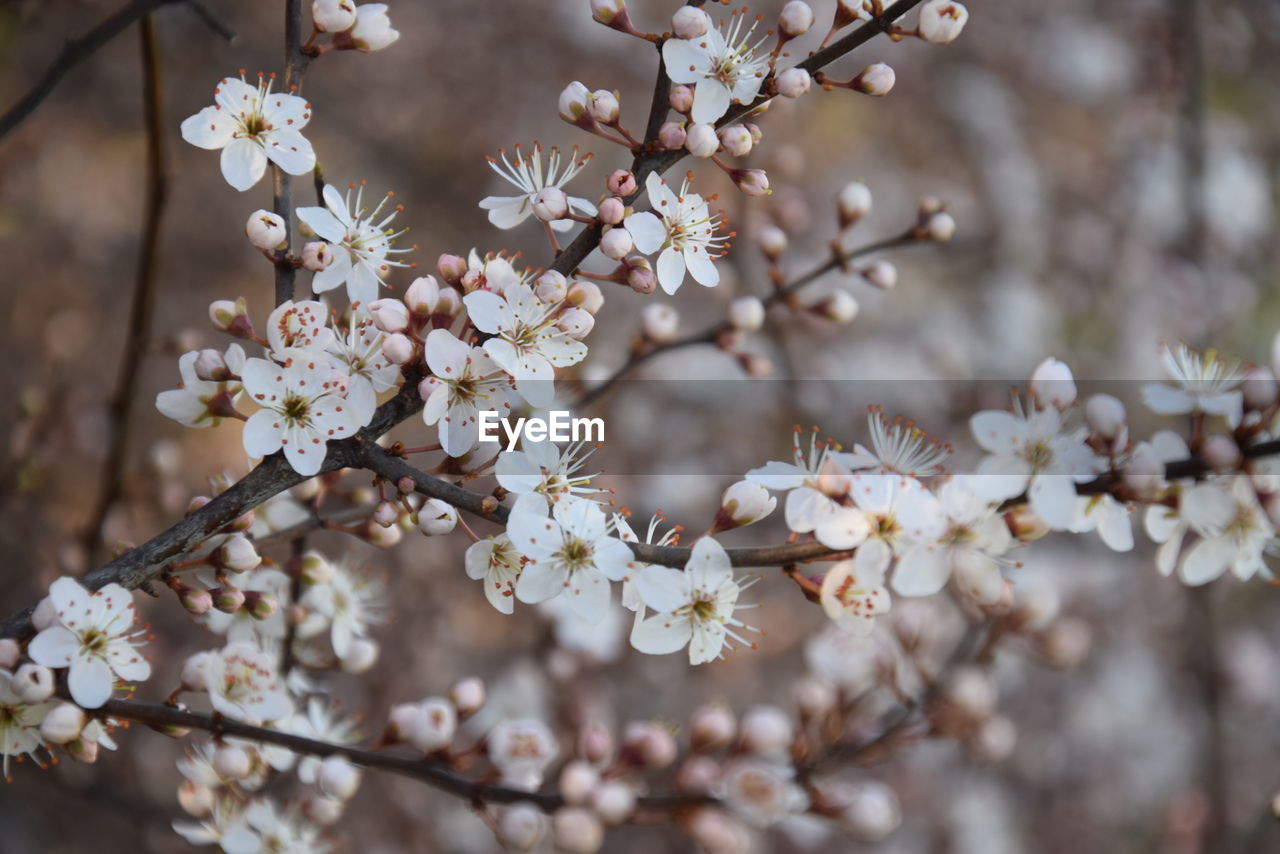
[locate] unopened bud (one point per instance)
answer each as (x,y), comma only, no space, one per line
(363,653)
(1065,644)
(609,12)
(793,82)
(882,274)
(265,230)
(711,727)
(398,348)
(1053,384)
(1105,415)
(338,778)
(212,366)
(521,827)
(1220,452)
(795,19)
(940,226)
(576,323)
(659,322)
(649,744)
(551,287)
(573,105)
(611,211)
(577,831)
(231,317)
(616,243)
(767,731)
(10,652)
(193,670)
(876,79)
(228,600)
(260,605)
(435,726)
(603,106)
(614,801)
(672,136)
(621,182)
(942,20)
(853,203)
(702,140)
(1259,388)
(746,314)
(63,723)
(237,554)
(690,22)
(467,695)
(742,504)
(196,800)
(586,296)
(550,204)
(838,307)
(640,275)
(389,315)
(772,240)
(681,98)
(436,518)
(736,140)
(333,16)
(577,781)
(316,256)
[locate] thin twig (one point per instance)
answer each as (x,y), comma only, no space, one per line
(119,422)
(295,66)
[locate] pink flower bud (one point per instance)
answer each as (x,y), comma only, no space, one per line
(595,743)
(1220,452)
(616,243)
(766,731)
(195,600)
(551,287)
(10,652)
(422,296)
(702,140)
(756,133)
(1053,384)
(611,211)
(876,79)
(210,365)
(586,296)
(63,723)
(882,274)
(753,182)
(603,106)
(940,226)
(321,810)
(576,323)
(736,140)
(711,727)
(265,230)
(333,16)
(231,317)
(467,695)
(398,348)
(577,781)
(237,554)
(614,801)
(573,105)
(608,12)
(659,322)
(793,82)
(451,268)
(228,600)
(795,19)
(260,605)
(621,182)
(681,97)
(435,726)
(338,778)
(942,20)
(521,827)
(853,203)
(577,831)
(1105,415)
(232,763)
(436,518)
(690,22)
(386,514)
(389,315)
(316,256)
(746,314)
(640,275)
(550,204)
(672,136)
(649,744)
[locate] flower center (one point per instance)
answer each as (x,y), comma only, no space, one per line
(296,409)
(576,553)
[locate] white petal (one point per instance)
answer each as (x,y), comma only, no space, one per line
(53,647)
(701,267)
(210,128)
(243,163)
(90,681)
(324,223)
(996,431)
(261,435)
(1053,497)
(710,101)
(670,270)
(922,571)
(539,582)
(647,231)
(1166,400)
(662,588)
(291,151)
(1207,560)
(662,634)
(686,61)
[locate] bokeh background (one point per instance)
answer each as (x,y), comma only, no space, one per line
(1112,167)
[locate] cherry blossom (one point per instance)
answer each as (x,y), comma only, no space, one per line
(521,750)
(528,176)
(361,243)
(726,66)
(683,229)
(1233,528)
(465,381)
(1205,382)
(252,125)
(897,447)
(243,625)
(542,468)
(19,722)
(94,635)
(495,561)
(569,552)
(199,402)
(695,606)
(299,325)
(357,349)
(243,684)
(816,484)
(303,407)
(900,513)
(349,601)
(262,828)
(974,538)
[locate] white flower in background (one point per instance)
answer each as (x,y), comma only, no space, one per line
(372,30)
(726,66)
(761,792)
(815,483)
(19,722)
(495,272)
(897,447)
(526,343)
(695,607)
(542,468)
(350,602)
(253,125)
(303,407)
(1233,529)
(571,552)
(361,243)
(224,821)
(298,325)
(846,660)
(358,350)
(1033,454)
(261,829)
(197,765)
(527,174)
(1206,382)
(1109,517)
(975,536)
(243,625)
(631,598)
(854,595)
(93,635)
(900,513)
(682,227)
(320,722)
(466,381)
(243,684)
(521,750)
(495,561)
(599,641)
(200,402)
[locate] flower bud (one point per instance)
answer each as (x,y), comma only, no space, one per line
(338,778)
(970,694)
(10,652)
(1024,524)
(521,827)
(994,739)
(82,751)
(736,140)
(616,243)
(1144,476)
(451,268)
(614,801)
(649,744)
(702,140)
(212,366)
(940,226)
(237,554)
(398,349)
(942,20)
(315,569)
(767,731)
(742,504)
(62,724)
(711,726)
(195,600)
(363,653)
(321,810)
(640,275)
(853,203)
(872,811)
(746,314)
(577,781)
(793,82)
(772,240)
(577,831)
(609,12)
(389,315)
(1105,415)
(386,514)
(672,136)
(260,605)
(551,287)
(550,204)
(316,256)
(231,317)
(690,22)
(813,697)
(586,296)
(716,831)
(681,97)
(333,16)
(193,669)
(573,105)
(611,211)
(228,600)
(876,79)
(435,725)
(265,230)
(659,322)
(232,763)
(1259,388)
(838,307)
(436,518)
(467,695)
(372,30)
(1220,452)
(795,19)
(576,323)
(595,743)
(755,365)
(1065,644)
(603,106)
(882,274)
(33,683)
(753,182)
(621,182)
(1053,384)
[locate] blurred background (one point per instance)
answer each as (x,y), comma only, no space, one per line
(1112,167)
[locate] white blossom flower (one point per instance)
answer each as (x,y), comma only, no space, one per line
(304,406)
(1109,517)
(495,561)
(298,325)
(253,125)
(682,227)
(760,791)
(199,402)
(853,595)
(243,625)
(466,381)
(897,447)
(900,513)
(1206,382)
(527,174)
(224,822)
(19,722)
(320,722)
(243,684)
(1033,453)
(262,828)
(94,635)
(350,602)
(1233,527)
(816,485)
(726,66)
(361,243)
(695,607)
(521,750)
(631,598)
(526,343)
(570,552)
(197,765)
(357,349)
(942,20)
(542,468)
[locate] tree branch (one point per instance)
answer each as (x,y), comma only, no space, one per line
(295,65)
